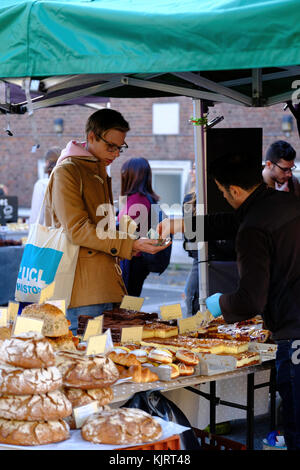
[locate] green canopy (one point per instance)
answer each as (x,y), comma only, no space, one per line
(221,50)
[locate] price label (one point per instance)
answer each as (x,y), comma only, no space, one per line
(47,293)
(93,328)
(25,324)
(3,316)
(187,324)
(81,413)
(132,303)
(96,345)
(132,334)
(171,312)
(13,309)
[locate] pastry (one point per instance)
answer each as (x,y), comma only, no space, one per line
(160,355)
(121,426)
(141,374)
(124,358)
(185,369)
(188,357)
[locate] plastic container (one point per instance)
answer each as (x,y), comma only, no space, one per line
(212,442)
(171,443)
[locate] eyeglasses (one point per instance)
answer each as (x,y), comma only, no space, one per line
(113,147)
(286,170)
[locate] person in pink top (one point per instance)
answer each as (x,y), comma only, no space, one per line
(136,185)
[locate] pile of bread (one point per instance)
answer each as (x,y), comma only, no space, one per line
(41,385)
(133,362)
(32,405)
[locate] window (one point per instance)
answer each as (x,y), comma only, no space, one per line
(165,118)
(170,182)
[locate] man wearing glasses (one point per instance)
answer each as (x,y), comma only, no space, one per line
(80,200)
(279,167)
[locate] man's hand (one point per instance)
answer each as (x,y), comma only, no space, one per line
(169,227)
(148,246)
(282,187)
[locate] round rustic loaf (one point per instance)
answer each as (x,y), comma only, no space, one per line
(121,426)
(86,372)
(46,407)
(28,350)
(34,433)
(17,381)
(55,321)
(79,397)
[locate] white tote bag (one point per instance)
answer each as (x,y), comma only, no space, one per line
(48,256)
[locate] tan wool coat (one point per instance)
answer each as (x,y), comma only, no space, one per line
(77,187)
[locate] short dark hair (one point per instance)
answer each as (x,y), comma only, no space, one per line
(104,120)
(280,149)
(236,169)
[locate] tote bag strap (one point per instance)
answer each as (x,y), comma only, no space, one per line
(47,188)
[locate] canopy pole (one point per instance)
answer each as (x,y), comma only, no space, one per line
(201,195)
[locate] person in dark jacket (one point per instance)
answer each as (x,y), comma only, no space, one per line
(268,256)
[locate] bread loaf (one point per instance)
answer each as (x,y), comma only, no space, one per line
(34,433)
(63,343)
(17,381)
(5,332)
(46,407)
(29,350)
(55,321)
(79,397)
(121,426)
(86,372)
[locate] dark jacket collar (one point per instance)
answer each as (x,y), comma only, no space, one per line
(257,194)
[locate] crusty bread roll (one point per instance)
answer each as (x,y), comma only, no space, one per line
(55,321)
(5,332)
(34,433)
(121,426)
(18,381)
(79,397)
(29,350)
(47,407)
(86,372)
(63,343)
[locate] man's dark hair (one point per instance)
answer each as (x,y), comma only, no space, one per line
(280,149)
(236,169)
(105,119)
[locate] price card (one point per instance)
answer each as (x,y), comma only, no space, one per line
(96,345)
(132,303)
(171,312)
(47,293)
(25,324)
(13,309)
(109,345)
(187,324)
(93,328)
(132,334)
(81,413)
(61,304)
(203,318)
(3,316)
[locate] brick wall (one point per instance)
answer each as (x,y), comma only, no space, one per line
(18,165)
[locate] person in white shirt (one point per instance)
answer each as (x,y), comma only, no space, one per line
(40,186)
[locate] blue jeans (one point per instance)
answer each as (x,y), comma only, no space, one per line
(288,385)
(91,310)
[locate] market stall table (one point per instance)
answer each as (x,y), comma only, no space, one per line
(124,391)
